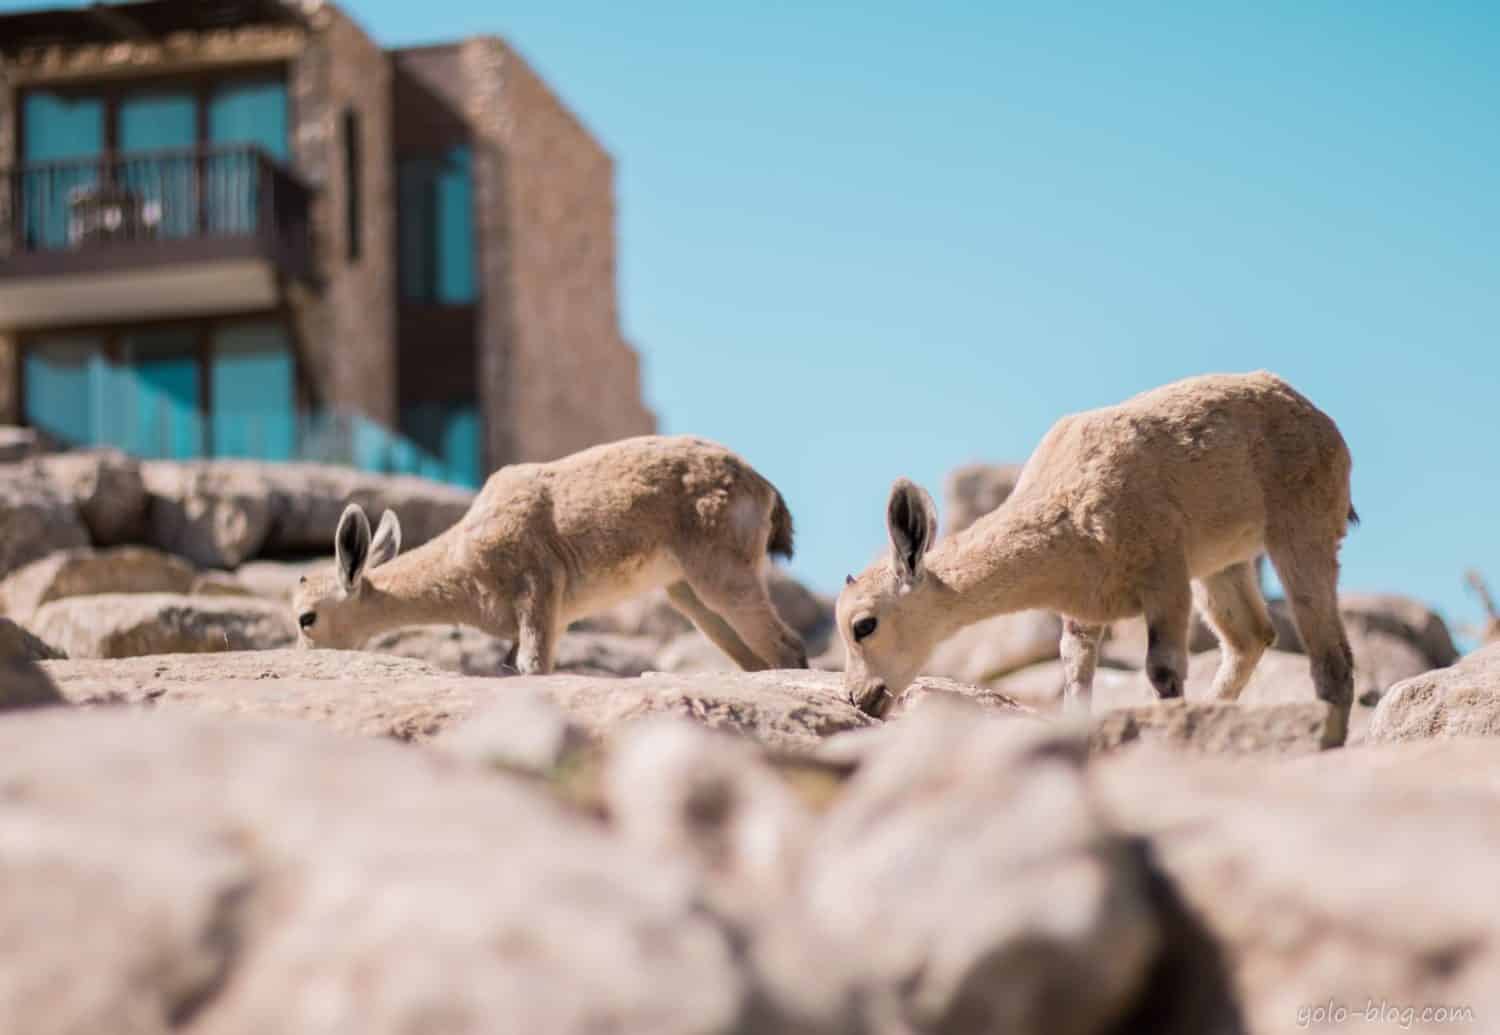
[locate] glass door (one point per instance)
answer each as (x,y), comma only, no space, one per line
(66,382)
(254,113)
(157,131)
(59,132)
(254,395)
(159,403)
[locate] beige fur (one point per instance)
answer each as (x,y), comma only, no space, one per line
(545,544)
(1118,513)
(1490,633)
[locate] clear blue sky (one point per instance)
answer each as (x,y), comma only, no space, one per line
(865,240)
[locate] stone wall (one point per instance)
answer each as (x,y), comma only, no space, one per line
(568,379)
(348,332)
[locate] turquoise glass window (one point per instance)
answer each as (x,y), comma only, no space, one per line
(253,112)
(65,383)
(254,393)
(451,433)
(59,128)
(435,230)
(157,408)
(151,123)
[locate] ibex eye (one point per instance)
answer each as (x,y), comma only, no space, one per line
(862,628)
(306,619)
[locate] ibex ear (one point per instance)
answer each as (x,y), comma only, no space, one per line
(387,541)
(351,546)
(911,520)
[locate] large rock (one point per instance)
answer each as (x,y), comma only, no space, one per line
(18,443)
(685,793)
(809,614)
(217,514)
(107,488)
(972,491)
(1383,614)
(307,500)
(987,650)
(384,695)
(86,572)
(1279,679)
(35,519)
(170,873)
(1303,873)
(966,873)
(125,625)
(277,580)
(1462,700)
(460,648)
(1216,728)
(22,682)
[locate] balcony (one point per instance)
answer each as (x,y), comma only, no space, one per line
(148,235)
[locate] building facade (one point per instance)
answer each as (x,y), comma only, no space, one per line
(241,228)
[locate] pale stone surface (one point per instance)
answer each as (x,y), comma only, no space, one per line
(997,646)
(124,625)
(106,487)
(216,514)
(87,572)
(1459,701)
(966,874)
(1309,875)
(35,520)
(175,873)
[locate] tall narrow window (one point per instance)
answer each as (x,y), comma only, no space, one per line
(353,184)
(436,229)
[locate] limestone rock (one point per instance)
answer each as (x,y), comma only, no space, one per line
(124,625)
(681,792)
(1462,700)
(460,648)
(987,650)
(277,580)
(87,572)
(174,872)
(35,520)
(106,487)
(967,874)
(23,684)
(307,500)
(217,514)
(1216,728)
(972,491)
(1302,872)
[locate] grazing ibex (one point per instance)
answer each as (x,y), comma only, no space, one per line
(544,544)
(1491,631)
(1117,513)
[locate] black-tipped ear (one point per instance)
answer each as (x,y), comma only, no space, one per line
(911,521)
(848,580)
(387,541)
(351,546)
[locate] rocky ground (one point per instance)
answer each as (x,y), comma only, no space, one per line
(205,830)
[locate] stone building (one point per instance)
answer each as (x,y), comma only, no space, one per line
(241,228)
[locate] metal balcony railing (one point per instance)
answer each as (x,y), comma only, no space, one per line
(82,208)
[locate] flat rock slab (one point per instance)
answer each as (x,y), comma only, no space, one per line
(1215,728)
(1359,875)
(172,872)
(89,572)
(128,625)
(383,695)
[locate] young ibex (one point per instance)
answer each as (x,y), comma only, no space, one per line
(544,544)
(1491,631)
(1116,514)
